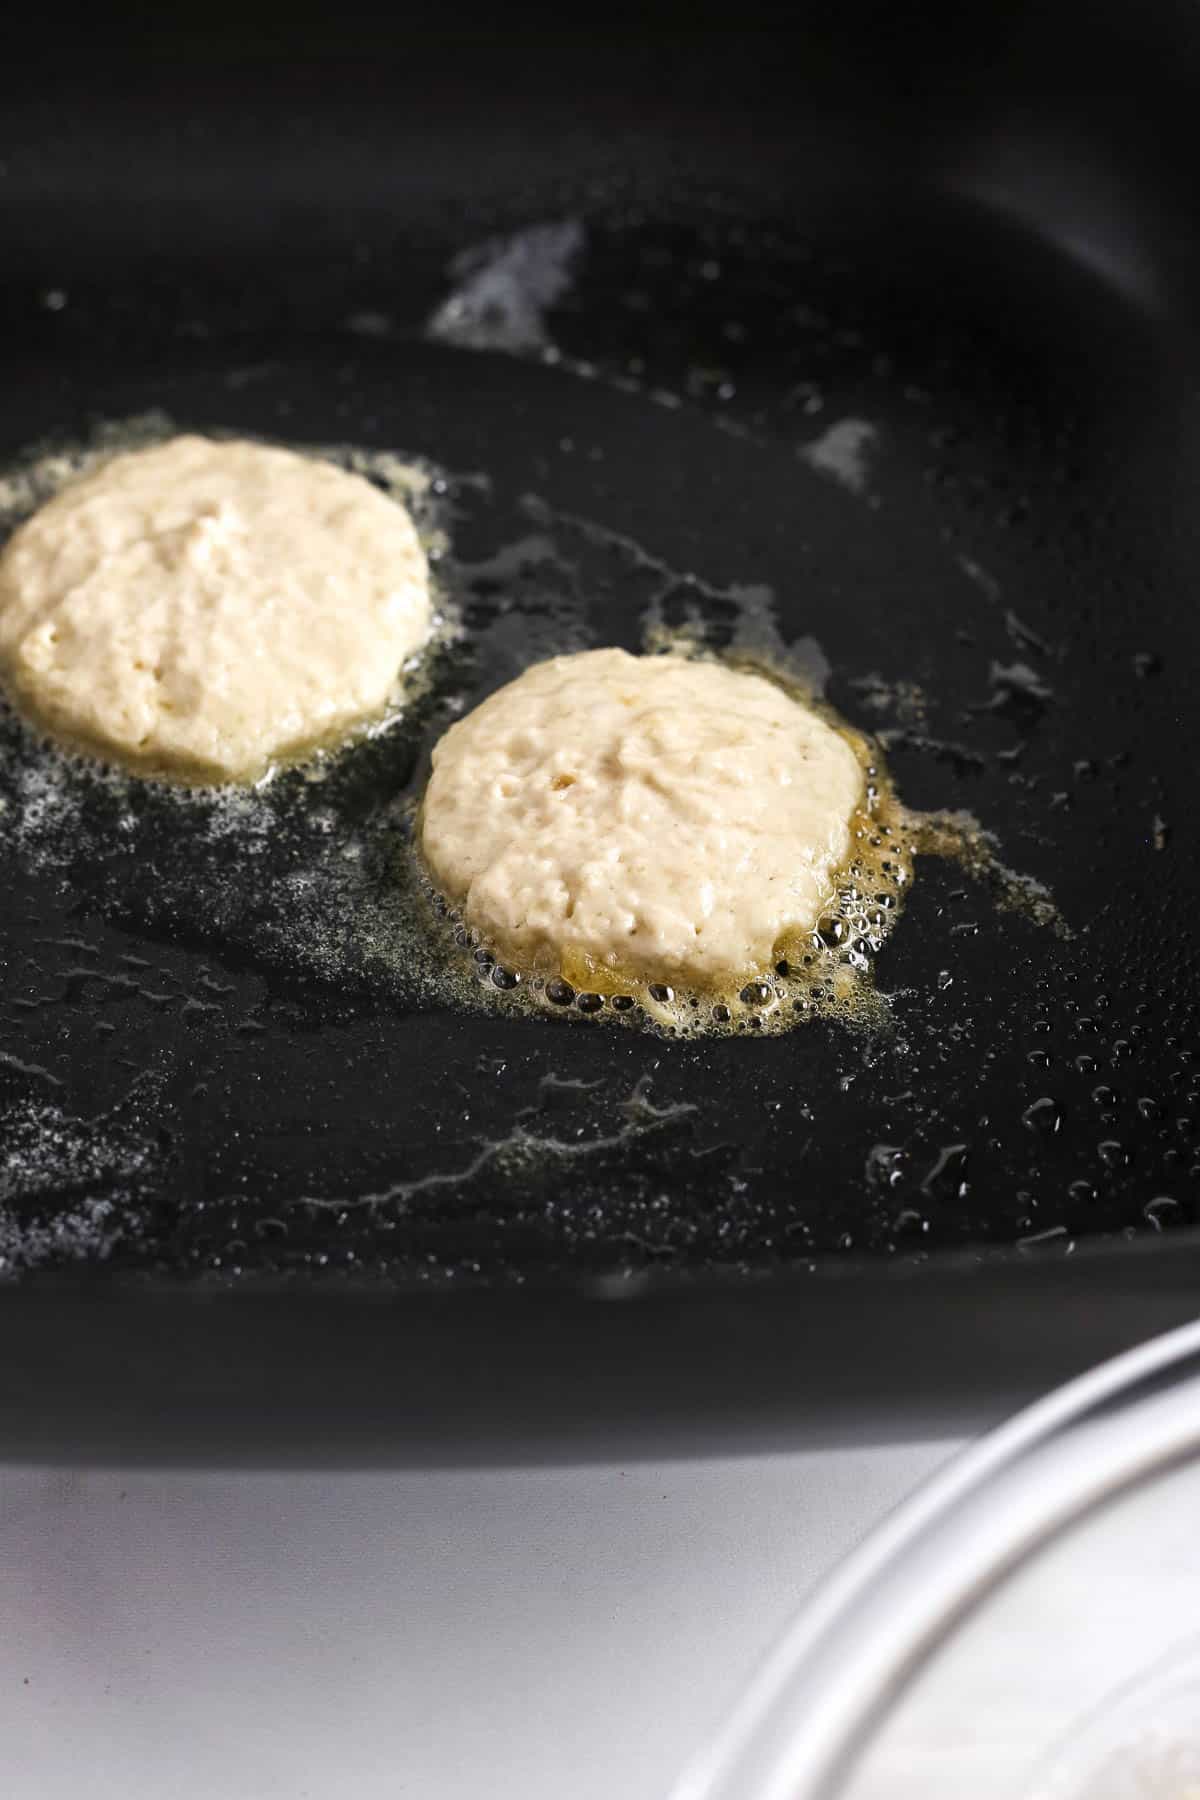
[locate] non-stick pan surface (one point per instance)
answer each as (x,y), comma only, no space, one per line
(923,407)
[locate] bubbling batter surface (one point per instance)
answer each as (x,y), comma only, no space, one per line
(609,818)
(199,609)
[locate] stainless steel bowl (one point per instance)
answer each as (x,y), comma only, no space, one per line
(1026,1628)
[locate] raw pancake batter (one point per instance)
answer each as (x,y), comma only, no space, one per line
(198,609)
(608,816)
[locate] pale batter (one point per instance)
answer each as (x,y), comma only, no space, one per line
(608,816)
(199,609)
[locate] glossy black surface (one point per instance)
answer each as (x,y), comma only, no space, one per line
(211,1068)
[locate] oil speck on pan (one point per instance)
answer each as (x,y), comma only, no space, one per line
(843,452)
(72,1189)
(505,287)
(525,1148)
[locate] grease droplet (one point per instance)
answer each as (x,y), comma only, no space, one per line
(1045,1115)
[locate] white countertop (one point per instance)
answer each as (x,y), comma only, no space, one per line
(524,1634)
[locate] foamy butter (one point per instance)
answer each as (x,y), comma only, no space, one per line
(667,836)
(201,609)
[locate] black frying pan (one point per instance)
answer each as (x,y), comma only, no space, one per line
(237,1130)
